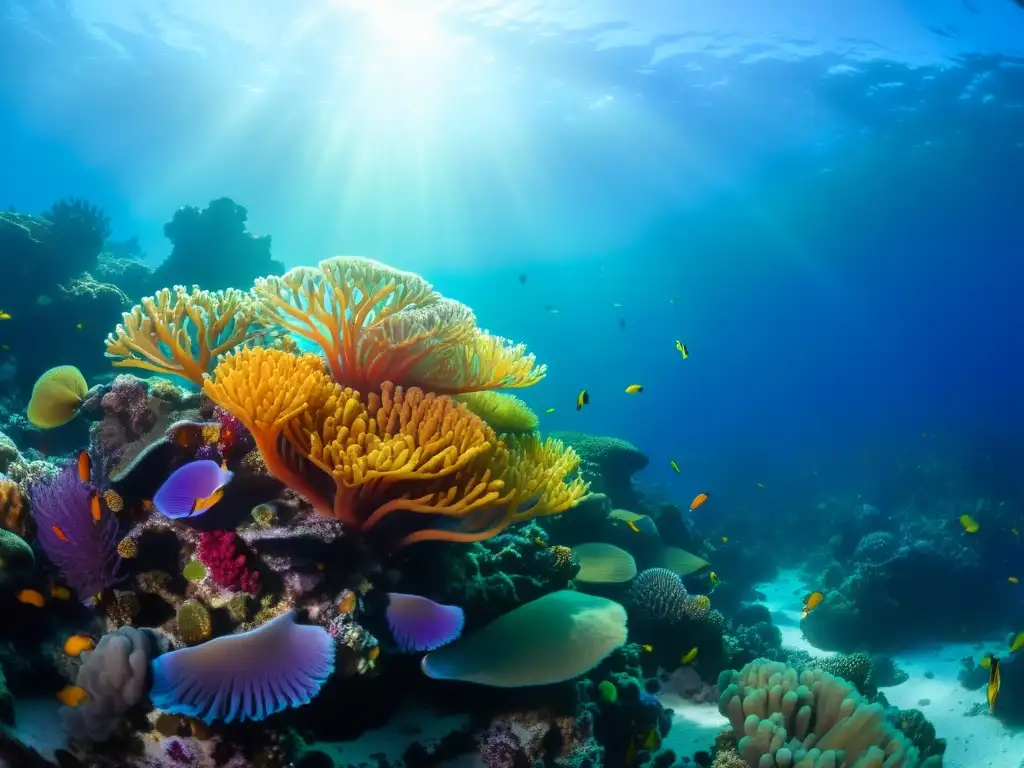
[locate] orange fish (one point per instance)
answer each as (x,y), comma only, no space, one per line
(699,499)
(75,644)
(811,602)
(147,505)
(31,597)
(84,467)
(201,505)
(72,695)
(59,533)
(61,593)
(95,508)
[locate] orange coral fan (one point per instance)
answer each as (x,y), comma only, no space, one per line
(378,324)
(12,507)
(420,466)
(180,332)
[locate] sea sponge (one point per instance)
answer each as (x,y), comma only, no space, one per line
(361,460)
(182,333)
(808,719)
(114,675)
(604,564)
(376,324)
(555,638)
(504,413)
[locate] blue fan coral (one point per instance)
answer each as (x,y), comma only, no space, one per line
(249,676)
(83,549)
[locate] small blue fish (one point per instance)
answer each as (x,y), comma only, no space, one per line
(191,489)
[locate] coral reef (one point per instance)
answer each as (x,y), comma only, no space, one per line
(785,718)
(608,464)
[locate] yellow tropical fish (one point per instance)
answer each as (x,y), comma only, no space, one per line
(632,526)
(713,578)
(60,593)
(1013,580)
(72,695)
(653,741)
(583,398)
(1017,643)
(31,597)
(647,648)
(986,662)
(540,542)
(681,348)
(675,467)
(725,539)
(689,656)
(969,524)
(4,315)
(75,644)
(80,326)
(550,410)
(993,683)
(811,602)
(634,389)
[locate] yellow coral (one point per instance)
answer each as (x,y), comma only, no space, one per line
(376,324)
(182,333)
(128,548)
(113,500)
(379,458)
(12,507)
(194,624)
(505,413)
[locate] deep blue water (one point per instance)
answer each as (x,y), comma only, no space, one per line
(823,205)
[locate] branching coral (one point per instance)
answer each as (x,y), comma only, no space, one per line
(799,720)
(401,451)
(182,333)
(376,324)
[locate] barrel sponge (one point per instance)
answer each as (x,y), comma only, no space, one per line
(807,720)
(114,675)
(555,638)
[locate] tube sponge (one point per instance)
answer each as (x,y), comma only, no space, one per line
(555,638)
(248,676)
(114,675)
(808,719)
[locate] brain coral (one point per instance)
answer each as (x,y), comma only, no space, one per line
(659,594)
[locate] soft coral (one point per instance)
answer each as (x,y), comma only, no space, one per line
(218,551)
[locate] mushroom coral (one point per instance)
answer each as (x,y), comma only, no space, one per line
(421,463)
(182,333)
(376,324)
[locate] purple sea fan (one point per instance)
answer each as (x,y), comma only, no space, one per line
(420,624)
(83,549)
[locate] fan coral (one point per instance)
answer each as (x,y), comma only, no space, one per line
(83,549)
(182,333)
(218,551)
(400,451)
(114,675)
(506,414)
(787,718)
(377,324)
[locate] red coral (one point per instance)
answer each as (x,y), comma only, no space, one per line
(218,551)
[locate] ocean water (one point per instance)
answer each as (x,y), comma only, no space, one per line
(822,202)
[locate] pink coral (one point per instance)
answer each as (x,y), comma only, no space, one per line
(218,551)
(129,395)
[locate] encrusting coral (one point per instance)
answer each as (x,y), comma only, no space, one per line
(182,333)
(808,719)
(376,324)
(363,459)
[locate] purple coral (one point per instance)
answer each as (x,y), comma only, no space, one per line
(129,396)
(83,549)
(500,747)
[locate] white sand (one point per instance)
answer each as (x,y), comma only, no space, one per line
(37,724)
(694,726)
(978,741)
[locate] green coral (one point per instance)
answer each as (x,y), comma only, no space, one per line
(16,558)
(608,691)
(783,717)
